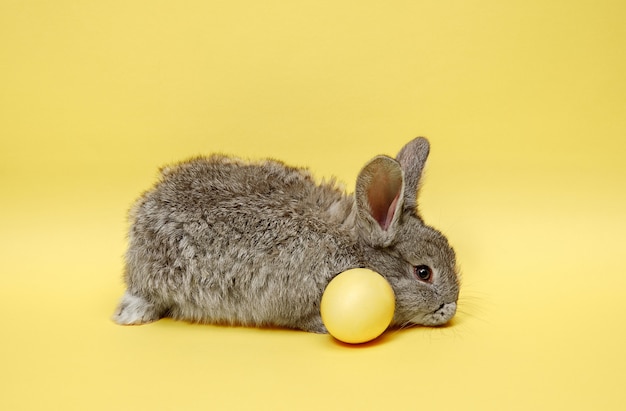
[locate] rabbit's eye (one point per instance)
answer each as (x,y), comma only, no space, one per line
(423,273)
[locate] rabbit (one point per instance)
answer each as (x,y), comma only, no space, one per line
(223,241)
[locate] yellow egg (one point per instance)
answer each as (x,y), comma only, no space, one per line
(357,306)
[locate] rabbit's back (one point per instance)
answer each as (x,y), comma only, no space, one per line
(221,240)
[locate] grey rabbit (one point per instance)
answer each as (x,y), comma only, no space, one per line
(223,241)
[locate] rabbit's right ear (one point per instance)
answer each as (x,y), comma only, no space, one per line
(412,159)
(379,197)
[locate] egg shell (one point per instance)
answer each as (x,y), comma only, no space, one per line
(357,305)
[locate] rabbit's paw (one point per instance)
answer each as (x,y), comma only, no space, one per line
(134,310)
(315,325)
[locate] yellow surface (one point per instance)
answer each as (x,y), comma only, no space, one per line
(525,106)
(357,305)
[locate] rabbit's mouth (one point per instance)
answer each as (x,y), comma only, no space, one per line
(440,316)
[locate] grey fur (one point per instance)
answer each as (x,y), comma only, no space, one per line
(219,240)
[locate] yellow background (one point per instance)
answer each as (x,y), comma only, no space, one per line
(524,103)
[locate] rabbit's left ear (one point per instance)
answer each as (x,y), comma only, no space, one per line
(379,199)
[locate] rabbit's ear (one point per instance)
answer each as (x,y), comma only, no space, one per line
(412,158)
(379,198)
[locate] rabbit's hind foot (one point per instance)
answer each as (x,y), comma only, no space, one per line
(135,310)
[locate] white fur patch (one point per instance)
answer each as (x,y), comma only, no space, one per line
(134,310)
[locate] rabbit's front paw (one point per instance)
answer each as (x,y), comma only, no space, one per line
(315,325)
